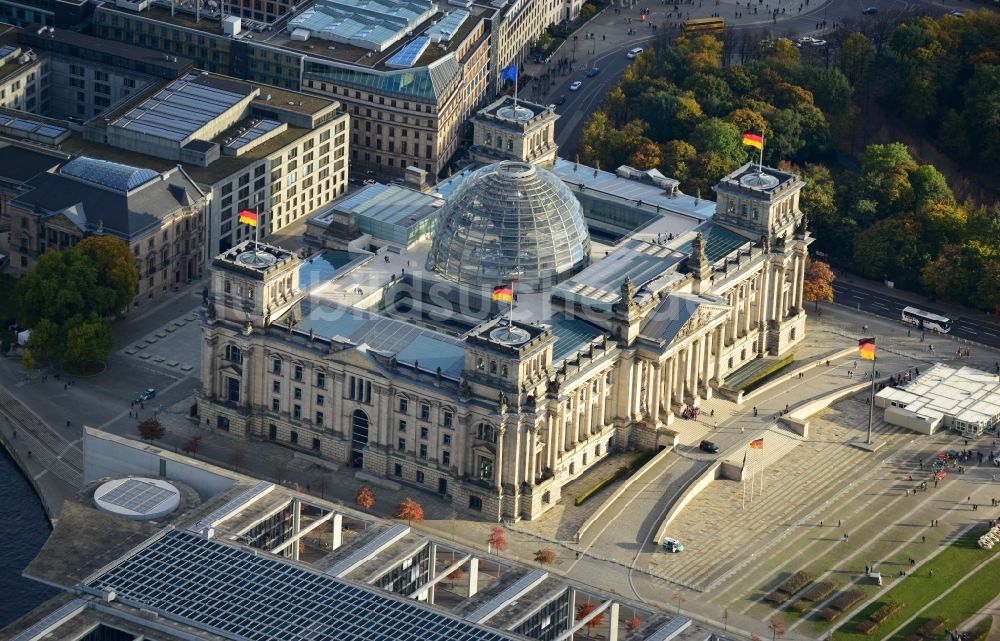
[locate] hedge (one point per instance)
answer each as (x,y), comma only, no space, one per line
(818,591)
(777,597)
(846,599)
(932,627)
(761,377)
(885,611)
(980,631)
(866,626)
(625,470)
(794,583)
(828,614)
(800,606)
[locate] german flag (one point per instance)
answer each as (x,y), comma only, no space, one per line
(248,217)
(758,444)
(866,348)
(753,140)
(503,294)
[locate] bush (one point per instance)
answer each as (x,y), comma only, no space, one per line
(827,614)
(794,583)
(761,377)
(800,606)
(625,470)
(932,627)
(866,626)
(777,597)
(818,591)
(846,599)
(885,611)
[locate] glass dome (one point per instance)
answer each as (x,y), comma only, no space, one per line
(510,221)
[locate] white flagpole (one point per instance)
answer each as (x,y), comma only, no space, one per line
(760,164)
(743,503)
(763,468)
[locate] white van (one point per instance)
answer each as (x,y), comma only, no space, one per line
(633,53)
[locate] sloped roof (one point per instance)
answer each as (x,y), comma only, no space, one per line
(665,322)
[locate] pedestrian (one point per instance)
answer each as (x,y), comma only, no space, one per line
(866,570)
(64,387)
(923,539)
(931,572)
(821,523)
(755,410)
(838,524)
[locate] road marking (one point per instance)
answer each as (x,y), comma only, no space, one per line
(40,475)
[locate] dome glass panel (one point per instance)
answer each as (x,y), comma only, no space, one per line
(510,221)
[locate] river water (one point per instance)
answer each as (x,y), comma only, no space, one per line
(23,530)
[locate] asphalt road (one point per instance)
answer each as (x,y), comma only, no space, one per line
(864,300)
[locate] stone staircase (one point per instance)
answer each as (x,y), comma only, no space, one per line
(65,462)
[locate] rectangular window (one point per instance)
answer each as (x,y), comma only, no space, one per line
(320,379)
(446,439)
(298,372)
(404,406)
(402,426)
(277,366)
(397,469)
(320,399)
(276,387)
(447,419)
(275,405)
(294,438)
(475,503)
(401,445)
(298,393)
(425,412)
(420,477)
(446,458)
(319,418)
(297,411)
(423,432)
(423,451)
(315,445)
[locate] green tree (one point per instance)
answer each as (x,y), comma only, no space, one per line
(116,267)
(87,343)
(747,120)
(45,340)
(829,88)
(885,178)
(712,93)
(707,169)
(930,186)
(890,249)
(941,224)
(719,137)
(982,111)
(27,361)
(677,157)
(856,52)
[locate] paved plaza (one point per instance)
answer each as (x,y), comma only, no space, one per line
(175,345)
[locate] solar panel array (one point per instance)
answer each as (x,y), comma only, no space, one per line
(179,110)
(571,334)
(136,495)
(236,593)
(408,55)
(670,629)
(243,498)
(27,126)
(51,620)
(374,545)
(253,133)
(449,26)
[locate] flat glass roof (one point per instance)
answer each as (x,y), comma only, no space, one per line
(247,596)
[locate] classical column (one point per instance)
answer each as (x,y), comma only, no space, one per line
(671,368)
(706,361)
(746,307)
(530,439)
(338,404)
(602,401)
(655,406)
(638,366)
(586,426)
(733,323)
(719,344)
(762,296)
(800,283)
(550,440)
(498,468)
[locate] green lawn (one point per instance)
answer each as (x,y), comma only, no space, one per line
(950,566)
(967,599)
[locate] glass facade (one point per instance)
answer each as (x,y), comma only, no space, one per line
(423,83)
(510,221)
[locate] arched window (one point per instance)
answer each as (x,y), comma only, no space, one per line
(233,354)
(486,432)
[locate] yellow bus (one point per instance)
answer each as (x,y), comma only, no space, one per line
(704,25)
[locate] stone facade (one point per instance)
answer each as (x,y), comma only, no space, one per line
(505,436)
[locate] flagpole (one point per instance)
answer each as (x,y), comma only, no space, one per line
(515,97)
(760,164)
(871,404)
(763,469)
(256,230)
(510,310)
(743,503)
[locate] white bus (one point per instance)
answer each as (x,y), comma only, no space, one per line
(926,320)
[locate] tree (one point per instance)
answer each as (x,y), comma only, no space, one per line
(678,598)
(151,429)
(45,340)
(116,266)
(365,499)
(818,285)
(27,361)
(497,540)
(889,249)
(677,156)
(545,557)
(633,624)
(646,155)
(720,137)
(777,628)
(87,343)
(410,510)
(855,54)
(455,575)
(584,610)
(929,187)
(191,445)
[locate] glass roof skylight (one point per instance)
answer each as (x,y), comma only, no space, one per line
(123,178)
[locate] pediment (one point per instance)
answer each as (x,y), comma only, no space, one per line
(358,358)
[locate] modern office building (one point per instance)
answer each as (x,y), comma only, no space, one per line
(159,215)
(404,365)
(201,553)
(50,13)
(410,74)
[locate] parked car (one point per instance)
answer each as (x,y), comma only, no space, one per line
(146,395)
(709,446)
(576,85)
(671,544)
(593,71)
(870,11)
(632,53)
(561,100)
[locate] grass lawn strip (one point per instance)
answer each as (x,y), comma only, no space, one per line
(964,601)
(950,566)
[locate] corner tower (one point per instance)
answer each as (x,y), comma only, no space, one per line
(760,202)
